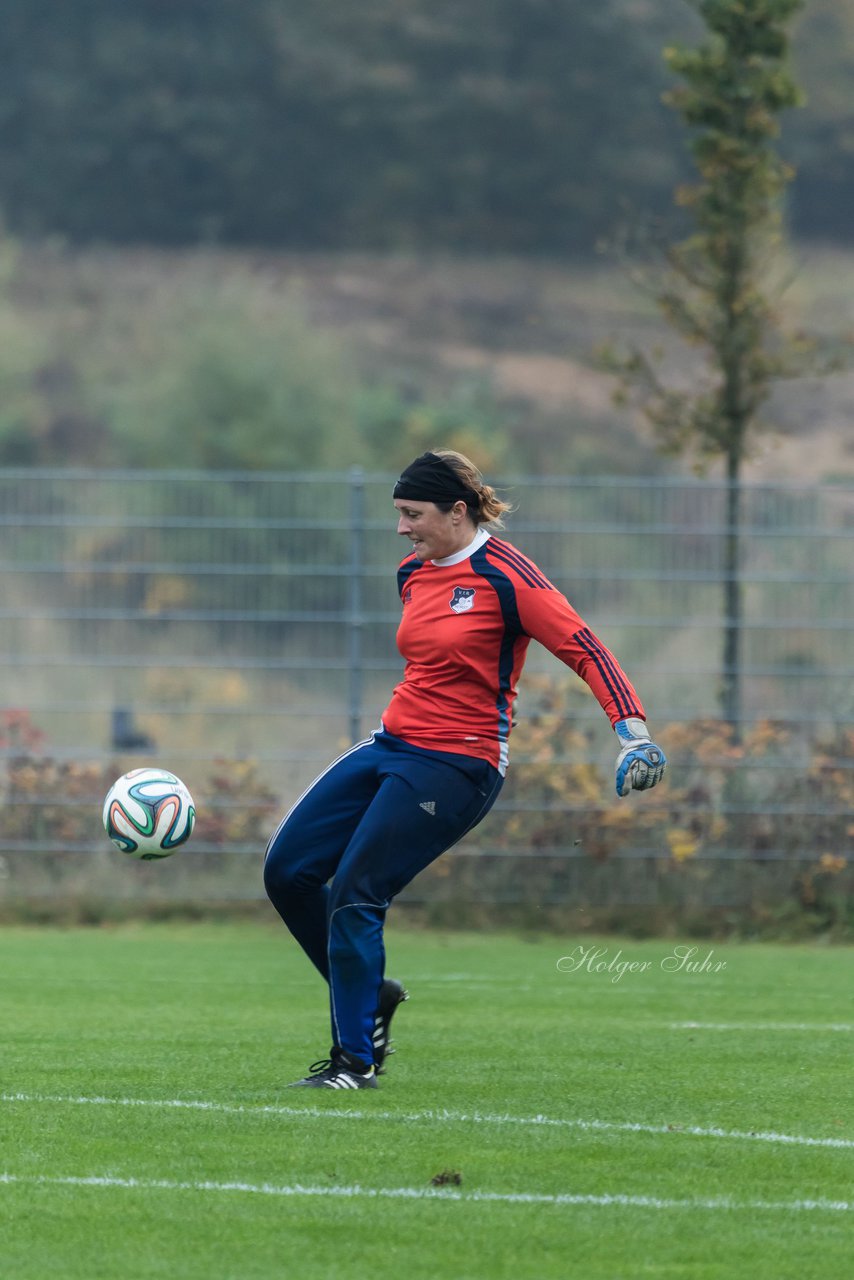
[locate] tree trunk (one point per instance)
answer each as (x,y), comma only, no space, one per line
(731,667)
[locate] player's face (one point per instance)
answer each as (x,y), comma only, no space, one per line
(434,534)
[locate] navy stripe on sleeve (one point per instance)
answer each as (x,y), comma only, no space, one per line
(609,672)
(526,570)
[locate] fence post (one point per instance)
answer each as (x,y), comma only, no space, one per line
(357,567)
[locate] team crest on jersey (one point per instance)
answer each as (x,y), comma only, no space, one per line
(462,599)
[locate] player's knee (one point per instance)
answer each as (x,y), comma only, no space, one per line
(352,938)
(285,877)
(351,922)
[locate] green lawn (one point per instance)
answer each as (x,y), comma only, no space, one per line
(147,1130)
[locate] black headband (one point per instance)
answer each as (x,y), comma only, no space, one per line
(430,479)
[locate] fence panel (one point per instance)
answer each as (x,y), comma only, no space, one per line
(239,629)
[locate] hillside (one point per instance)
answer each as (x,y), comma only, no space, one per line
(496,353)
(531,329)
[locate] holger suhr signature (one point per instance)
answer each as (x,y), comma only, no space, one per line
(599,960)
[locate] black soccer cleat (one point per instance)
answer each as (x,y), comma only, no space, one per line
(341,1071)
(391,995)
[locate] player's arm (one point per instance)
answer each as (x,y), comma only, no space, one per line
(549,618)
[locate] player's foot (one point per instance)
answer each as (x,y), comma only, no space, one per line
(341,1071)
(391,995)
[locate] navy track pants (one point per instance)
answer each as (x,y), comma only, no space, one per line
(376,817)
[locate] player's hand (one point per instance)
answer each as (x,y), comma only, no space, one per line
(640,763)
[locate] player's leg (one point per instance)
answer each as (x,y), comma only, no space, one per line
(422,808)
(306,848)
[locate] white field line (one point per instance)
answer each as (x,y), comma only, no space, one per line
(425,1193)
(762,1026)
(433,1117)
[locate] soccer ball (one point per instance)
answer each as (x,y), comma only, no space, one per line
(148,813)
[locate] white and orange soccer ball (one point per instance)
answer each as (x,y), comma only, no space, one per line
(149,813)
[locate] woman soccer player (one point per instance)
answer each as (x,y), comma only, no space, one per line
(391,805)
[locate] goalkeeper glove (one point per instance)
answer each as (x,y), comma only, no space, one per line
(640,763)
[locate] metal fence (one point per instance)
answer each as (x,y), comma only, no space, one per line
(239,629)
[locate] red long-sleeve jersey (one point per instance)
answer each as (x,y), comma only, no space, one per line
(466,626)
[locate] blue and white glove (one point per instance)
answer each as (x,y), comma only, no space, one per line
(641,763)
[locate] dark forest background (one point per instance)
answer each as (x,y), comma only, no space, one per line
(522,126)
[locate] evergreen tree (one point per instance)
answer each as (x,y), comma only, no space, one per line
(734,85)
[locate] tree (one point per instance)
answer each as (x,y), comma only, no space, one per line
(716,294)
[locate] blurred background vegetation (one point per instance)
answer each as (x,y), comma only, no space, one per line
(490,125)
(279,234)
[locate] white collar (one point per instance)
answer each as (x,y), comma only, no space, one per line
(478,540)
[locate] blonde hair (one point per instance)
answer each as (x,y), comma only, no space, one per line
(490,507)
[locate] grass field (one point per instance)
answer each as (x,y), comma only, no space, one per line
(586,1121)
